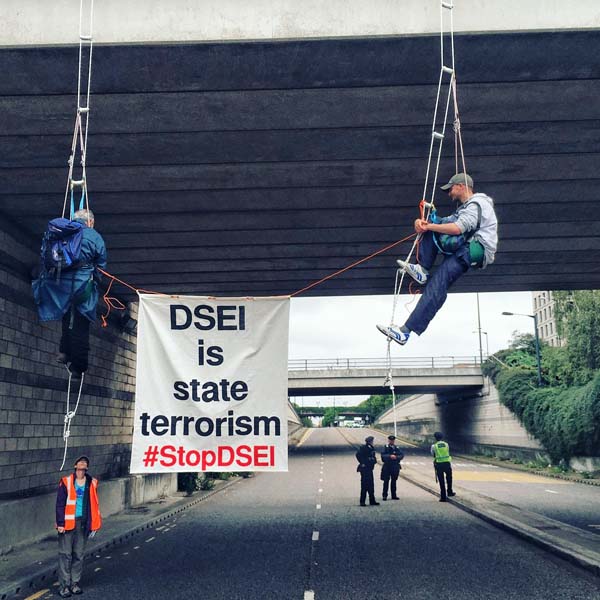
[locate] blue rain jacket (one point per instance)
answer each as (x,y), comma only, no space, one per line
(78,287)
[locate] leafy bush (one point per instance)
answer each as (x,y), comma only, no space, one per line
(206,482)
(565,420)
(187,482)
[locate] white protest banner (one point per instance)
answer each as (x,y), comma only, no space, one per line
(211,384)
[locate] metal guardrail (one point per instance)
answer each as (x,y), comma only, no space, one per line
(426,362)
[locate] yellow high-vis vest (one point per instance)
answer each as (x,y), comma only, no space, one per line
(442,452)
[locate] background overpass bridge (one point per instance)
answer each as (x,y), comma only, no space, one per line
(245,152)
(354,376)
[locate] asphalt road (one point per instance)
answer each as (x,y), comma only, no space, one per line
(302,536)
(573,503)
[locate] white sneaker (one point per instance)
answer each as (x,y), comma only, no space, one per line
(417,272)
(394,334)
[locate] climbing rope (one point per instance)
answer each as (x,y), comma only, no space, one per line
(80,131)
(427,204)
(70,414)
(79,149)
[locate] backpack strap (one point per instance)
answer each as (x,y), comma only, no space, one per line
(472,233)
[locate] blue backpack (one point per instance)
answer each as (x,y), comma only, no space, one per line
(61,245)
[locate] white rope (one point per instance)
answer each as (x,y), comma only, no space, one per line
(70,414)
(80,132)
(437,137)
(79,143)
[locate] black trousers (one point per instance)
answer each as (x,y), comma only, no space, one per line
(75,339)
(386,484)
(367,486)
(444,470)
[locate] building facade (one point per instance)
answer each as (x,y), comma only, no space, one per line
(543,308)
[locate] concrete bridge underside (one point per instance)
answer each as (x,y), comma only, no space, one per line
(255,168)
(373,381)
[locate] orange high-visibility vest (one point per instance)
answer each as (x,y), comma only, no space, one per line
(69,483)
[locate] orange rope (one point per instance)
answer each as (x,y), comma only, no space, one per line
(354,264)
(112,302)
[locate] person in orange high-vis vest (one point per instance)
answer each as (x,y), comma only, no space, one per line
(77,518)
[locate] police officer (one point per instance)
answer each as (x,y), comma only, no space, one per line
(442,462)
(366,463)
(391,456)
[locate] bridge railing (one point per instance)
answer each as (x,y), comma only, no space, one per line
(424,362)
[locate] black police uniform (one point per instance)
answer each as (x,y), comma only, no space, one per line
(391,469)
(366,463)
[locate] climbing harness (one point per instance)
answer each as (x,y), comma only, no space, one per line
(427,210)
(79,150)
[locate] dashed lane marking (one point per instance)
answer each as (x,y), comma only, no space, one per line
(315,536)
(319,508)
(309,595)
(320,480)
(97,569)
(125,553)
(150,539)
(136,547)
(320,490)
(551,491)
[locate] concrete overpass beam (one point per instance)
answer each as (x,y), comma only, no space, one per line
(39,22)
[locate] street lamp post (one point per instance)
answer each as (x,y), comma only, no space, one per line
(487,341)
(537,342)
(479,329)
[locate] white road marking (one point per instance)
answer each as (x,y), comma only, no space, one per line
(309,595)
(320,480)
(315,536)
(509,480)
(150,539)
(320,490)
(97,569)
(319,508)
(551,491)
(594,526)
(136,547)
(161,527)
(125,553)
(108,557)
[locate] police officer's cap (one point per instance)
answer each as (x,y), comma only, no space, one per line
(438,435)
(391,437)
(369,439)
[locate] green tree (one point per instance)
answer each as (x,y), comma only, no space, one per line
(564,415)
(329,417)
(375,405)
(578,322)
